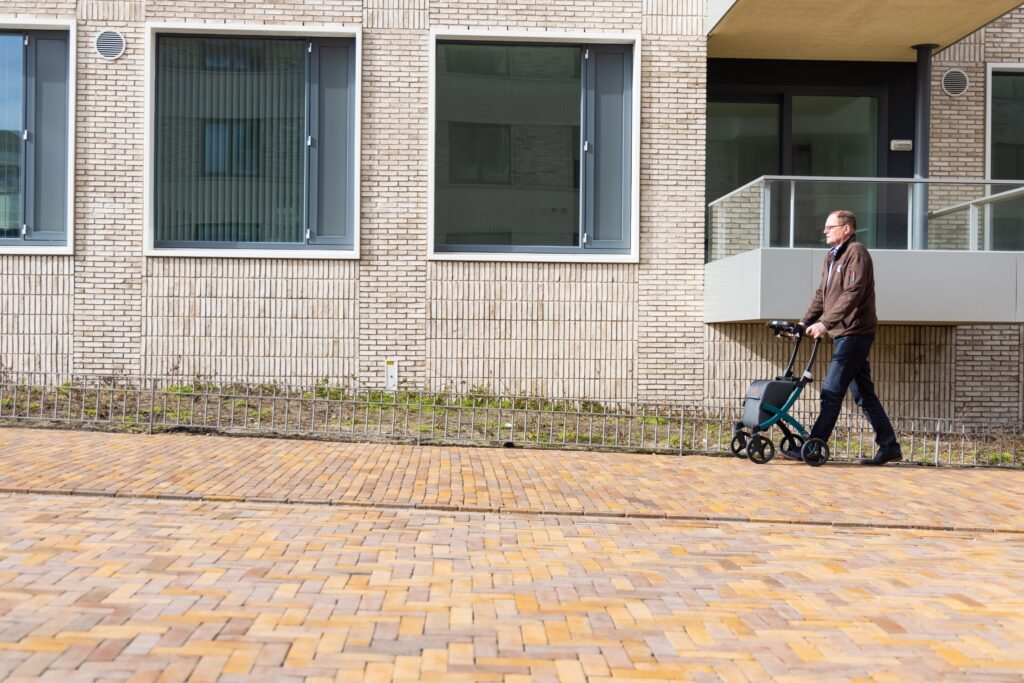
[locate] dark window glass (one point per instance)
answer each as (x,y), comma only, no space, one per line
(12,123)
(742,144)
(508,139)
(231,148)
(480,153)
(234,134)
(835,136)
(1006,231)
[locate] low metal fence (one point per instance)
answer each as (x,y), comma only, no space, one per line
(160,404)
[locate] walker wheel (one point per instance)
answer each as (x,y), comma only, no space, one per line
(760,449)
(739,444)
(815,452)
(791,443)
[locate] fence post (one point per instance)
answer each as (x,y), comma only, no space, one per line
(938,428)
(682,427)
(152,402)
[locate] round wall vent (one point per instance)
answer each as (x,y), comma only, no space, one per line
(110,44)
(954,82)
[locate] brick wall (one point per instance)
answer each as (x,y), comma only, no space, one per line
(392,267)
(989,367)
(108,203)
(988,379)
(671,279)
(541,328)
(913,366)
(251,319)
(36,302)
(536,329)
(595,330)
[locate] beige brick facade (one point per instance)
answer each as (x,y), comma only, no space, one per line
(590,330)
(585,329)
(989,379)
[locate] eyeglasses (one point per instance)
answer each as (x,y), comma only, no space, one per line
(833,227)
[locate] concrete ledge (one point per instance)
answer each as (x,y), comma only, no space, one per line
(918,287)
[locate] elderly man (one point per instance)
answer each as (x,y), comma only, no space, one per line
(844,308)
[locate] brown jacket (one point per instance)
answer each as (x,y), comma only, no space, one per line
(847,306)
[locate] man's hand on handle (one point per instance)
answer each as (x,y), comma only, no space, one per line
(816,330)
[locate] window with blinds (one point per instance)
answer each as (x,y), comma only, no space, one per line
(254,141)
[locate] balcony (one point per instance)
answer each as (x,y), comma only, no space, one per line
(945,251)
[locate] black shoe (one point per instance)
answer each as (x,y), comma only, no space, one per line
(882,457)
(792,455)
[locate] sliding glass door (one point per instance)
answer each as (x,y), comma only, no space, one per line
(834,136)
(804,135)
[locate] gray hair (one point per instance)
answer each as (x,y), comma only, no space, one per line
(847,218)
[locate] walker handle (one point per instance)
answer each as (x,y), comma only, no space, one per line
(784,328)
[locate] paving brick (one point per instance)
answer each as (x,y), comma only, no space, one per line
(171,590)
(519,481)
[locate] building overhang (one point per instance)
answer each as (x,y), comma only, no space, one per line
(911,287)
(842,30)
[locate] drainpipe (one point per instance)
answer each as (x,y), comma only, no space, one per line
(922,140)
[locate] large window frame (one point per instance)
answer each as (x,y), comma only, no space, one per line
(323,247)
(991,70)
(48,243)
(617,253)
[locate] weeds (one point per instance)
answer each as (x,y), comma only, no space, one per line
(476,416)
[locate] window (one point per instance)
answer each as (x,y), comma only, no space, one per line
(1005,221)
(34,100)
(231,148)
(254,143)
(533,148)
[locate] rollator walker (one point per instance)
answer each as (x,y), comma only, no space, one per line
(767,404)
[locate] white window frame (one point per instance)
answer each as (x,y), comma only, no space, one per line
(627,38)
(69,25)
(990,70)
(154,29)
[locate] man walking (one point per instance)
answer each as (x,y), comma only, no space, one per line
(844,308)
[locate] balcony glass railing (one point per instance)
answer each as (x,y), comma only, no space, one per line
(892,213)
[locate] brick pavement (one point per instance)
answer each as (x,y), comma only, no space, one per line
(105,588)
(144,590)
(506,480)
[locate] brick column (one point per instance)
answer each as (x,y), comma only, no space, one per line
(108,193)
(671,283)
(392,267)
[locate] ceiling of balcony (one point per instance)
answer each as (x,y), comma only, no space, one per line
(847,30)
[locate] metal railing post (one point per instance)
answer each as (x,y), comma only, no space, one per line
(792,212)
(972,227)
(766,212)
(910,217)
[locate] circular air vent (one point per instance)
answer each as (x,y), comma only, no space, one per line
(110,44)
(954,82)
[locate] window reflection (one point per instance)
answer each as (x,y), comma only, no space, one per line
(11,127)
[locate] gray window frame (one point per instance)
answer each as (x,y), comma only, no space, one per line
(588,164)
(33,235)
(313,241)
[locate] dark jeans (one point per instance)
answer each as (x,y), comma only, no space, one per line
(849,369)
